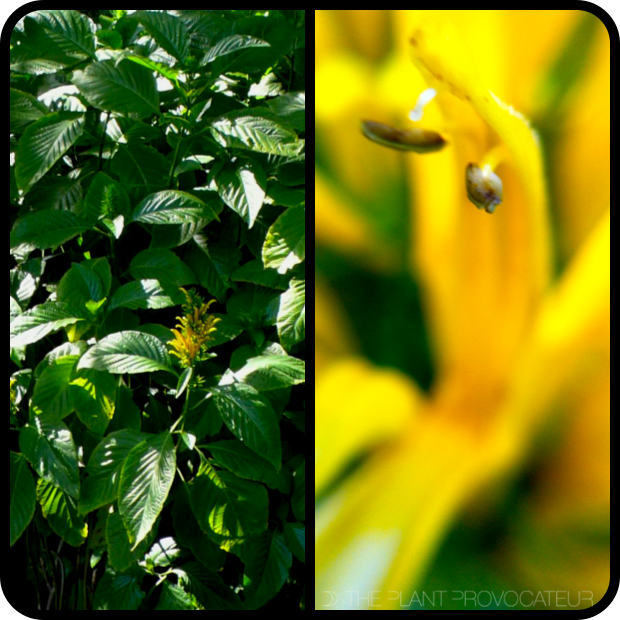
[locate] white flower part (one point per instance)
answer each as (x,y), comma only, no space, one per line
(425,97)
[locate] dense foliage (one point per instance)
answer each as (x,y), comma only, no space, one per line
(157,302)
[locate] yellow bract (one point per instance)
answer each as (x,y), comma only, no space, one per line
(194,332)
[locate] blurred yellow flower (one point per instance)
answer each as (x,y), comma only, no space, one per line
(509,340)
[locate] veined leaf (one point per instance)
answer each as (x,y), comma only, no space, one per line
(285,246)
(240,185)
(295,534)
(292,108)
(43,144)
(127,88)
(173,207)
(23,496)
(24,109)
(120,592)
(48,229)
(162,265)
(251,418)
(170,32)
(51,393)
(60,511)
(42,320)
(272,372)
(142,295)
(128,352)
(142,169)
(104,469)
(245,463)
(85,282)
(292,315)
(228,508)
(146,479)
(50,450)
(231,44)
(256,130)
(267,568)
(53,40)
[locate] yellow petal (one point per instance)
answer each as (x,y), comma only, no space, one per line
(357,406)
(377,534)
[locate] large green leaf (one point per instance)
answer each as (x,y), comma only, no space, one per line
(61,512)
(42,320)
(272,372)
(120,592)
(43,144)
(128,352)
(142,170)
(190,535)
(292,108)
(93,396)
(88,281)
(53,40)
(267,568)
(51,400)
(232,44)
(173,207)
(24,110)
(175,598)
(227,508)
(170,32)
(50,449)
(23,496)
(127,88)
(142,295)
(285,246)
(251,418)
(208,587)
(240,184)
(48,229)
(245,463)
(104,469)
(146,479)
(256,130)
(292,315)
(162,265)
(295,534)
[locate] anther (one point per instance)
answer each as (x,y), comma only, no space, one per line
(484,187)
(418,140)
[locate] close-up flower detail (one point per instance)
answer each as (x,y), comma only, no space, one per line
(419,140)
(484,187)
(462,360)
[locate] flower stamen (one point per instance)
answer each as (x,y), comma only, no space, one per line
(425,97)
(418,140)
(484,187)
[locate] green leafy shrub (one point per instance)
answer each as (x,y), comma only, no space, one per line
(157,308)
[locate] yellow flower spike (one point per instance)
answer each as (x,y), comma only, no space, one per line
(193,333)
(416,139)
